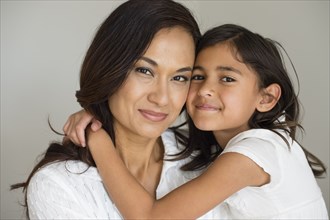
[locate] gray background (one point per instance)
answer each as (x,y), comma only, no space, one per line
(43,44)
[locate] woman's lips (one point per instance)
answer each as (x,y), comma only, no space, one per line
(152,115)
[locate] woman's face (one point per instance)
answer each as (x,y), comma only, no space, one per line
(156,88)
(224,92)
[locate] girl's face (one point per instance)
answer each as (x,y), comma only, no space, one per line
(156,88)
(223,93)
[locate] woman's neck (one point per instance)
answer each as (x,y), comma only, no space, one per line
(139,155)
(143,157)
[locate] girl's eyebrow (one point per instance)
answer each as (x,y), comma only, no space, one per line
(198,68)
(155,64)
(220,68)
(228,68)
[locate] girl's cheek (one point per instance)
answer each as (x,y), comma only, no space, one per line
(193,90)
(191,96)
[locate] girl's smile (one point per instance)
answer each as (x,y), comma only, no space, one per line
(207,107)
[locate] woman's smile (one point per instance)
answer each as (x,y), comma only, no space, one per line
(153,115)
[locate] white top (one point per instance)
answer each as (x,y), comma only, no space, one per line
(292,193)
(70,190)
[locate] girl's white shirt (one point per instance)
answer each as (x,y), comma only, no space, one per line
(71,190)
(292,193)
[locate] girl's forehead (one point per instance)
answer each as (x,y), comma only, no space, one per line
(219,52)
(220,57)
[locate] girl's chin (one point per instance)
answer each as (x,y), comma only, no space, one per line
(203,126)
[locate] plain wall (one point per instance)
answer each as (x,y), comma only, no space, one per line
(43,44)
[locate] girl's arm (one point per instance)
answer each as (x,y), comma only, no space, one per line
(228,174)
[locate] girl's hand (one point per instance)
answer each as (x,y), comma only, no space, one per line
(75,127)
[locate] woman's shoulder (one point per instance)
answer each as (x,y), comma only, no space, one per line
(67,190)
(64,177)
(65,171)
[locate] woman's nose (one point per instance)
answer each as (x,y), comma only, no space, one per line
(160,94)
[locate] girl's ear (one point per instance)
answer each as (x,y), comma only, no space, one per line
(269,98)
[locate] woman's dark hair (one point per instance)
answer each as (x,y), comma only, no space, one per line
(119,42)
(263,56)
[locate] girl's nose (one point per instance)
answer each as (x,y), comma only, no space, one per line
(206,90)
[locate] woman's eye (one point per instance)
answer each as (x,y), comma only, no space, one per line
(197,77)
(144,70)
(181,78)
(227,79)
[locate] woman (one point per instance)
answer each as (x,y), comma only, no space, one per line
(134,80)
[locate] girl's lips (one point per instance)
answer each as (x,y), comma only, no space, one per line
(207,107)
(152,115)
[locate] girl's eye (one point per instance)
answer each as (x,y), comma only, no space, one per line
(181,78)
(197,77)
(143,70)
(227,79)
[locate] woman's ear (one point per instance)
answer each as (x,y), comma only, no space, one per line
(269,98)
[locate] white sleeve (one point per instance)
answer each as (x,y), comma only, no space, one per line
(49,196)
(262,152)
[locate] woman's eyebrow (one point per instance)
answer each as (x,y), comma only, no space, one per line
(154,63)
(150,61)
(184,69)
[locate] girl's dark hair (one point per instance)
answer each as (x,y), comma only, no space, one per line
(263,56)
(119,42)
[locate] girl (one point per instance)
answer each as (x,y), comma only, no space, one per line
(245,116)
